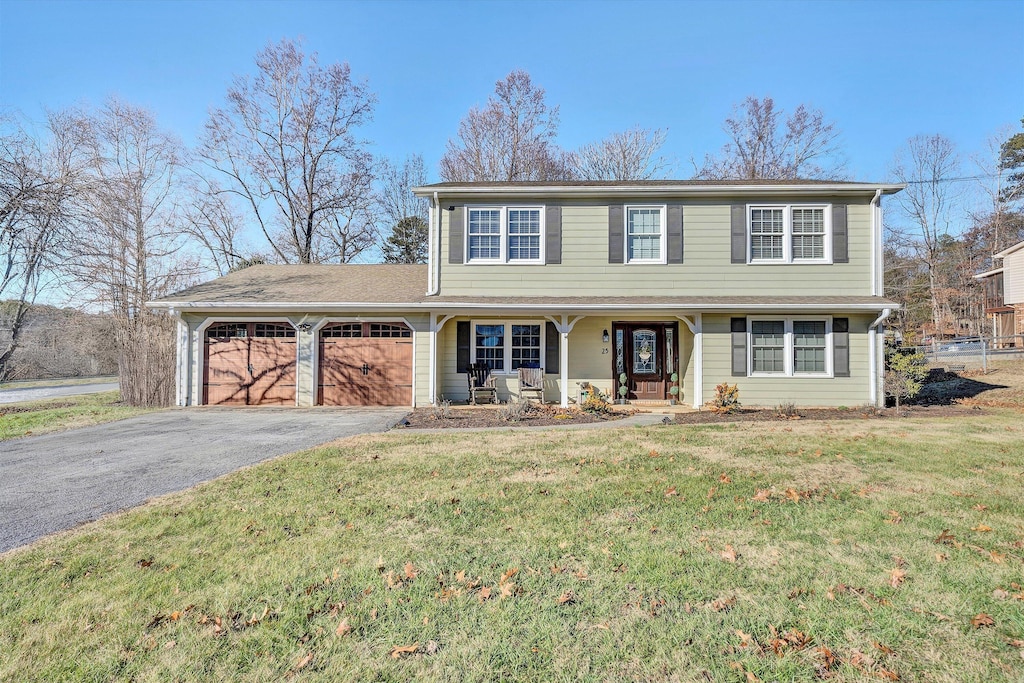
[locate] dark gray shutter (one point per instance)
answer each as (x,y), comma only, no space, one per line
(675,233)
(456,237)
(552,349)
(841,347)
(553,234)
(738,231)
(616,236)
(462,334)
(739,346)
(840,235)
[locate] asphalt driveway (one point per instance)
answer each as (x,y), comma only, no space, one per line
(39,393)
(56,481)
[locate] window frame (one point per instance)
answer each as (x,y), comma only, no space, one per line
(789,348)
(507,356)
(503,233)
(662,235)
(788,234)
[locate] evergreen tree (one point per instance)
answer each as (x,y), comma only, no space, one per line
(407,242)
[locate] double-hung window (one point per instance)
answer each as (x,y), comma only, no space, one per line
(790,233)
(508,346)
(504,234)
(645,234)
(790,346)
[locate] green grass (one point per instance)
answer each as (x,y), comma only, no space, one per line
(57,414)
(623,541)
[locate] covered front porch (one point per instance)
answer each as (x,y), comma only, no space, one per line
(575,348)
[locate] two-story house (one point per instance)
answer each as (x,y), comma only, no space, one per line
(774,286)
(1004,297)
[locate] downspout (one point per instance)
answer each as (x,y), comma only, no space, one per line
(434,244)
(876,365)
(877,285)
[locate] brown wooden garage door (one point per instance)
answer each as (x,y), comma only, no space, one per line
(249,364)
(365,364)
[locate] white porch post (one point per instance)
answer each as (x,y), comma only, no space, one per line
(697,330)
(435,329)
(564,327)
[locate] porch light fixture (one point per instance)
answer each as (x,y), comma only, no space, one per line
(605,337)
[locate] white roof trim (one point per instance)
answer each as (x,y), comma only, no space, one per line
(666,189)
(1009,250)
(307,307)
(988,273)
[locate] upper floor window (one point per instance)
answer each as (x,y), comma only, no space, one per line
(796,233)
(509,234)
(645,234)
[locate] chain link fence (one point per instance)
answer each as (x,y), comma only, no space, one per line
(971,354)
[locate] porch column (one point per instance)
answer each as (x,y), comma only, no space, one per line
(435,329)
(564,327)
(696,327)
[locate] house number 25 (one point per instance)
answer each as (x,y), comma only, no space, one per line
(604,350)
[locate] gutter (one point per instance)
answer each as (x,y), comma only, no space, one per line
(874,362)
(665,189)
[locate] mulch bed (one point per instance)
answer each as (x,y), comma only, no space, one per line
(461,418)
(769,415)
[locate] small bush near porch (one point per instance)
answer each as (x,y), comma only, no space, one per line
(847,550)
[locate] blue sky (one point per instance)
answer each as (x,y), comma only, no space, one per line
(883,71)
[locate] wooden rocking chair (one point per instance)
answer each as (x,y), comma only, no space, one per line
(481,383)
(531,380)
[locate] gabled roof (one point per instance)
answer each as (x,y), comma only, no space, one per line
(318,288)
(681,188)
(377,283)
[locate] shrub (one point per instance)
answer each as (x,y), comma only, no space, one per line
(514,411)
(442,410)
(596,403)
(726,400)
(623,389)
(905,372)
(787,411)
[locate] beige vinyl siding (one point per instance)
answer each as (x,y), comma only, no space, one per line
(587,360)
(849,391)
(706,269)
(1013,278)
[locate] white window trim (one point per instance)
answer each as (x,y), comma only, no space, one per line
(663,210)
(504,259)
(788,321)
(787,234)
(508,341)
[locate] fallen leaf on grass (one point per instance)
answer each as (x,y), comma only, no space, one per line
(509,573)
(304,662)
(980,508)
(883,648)
(566,598)
(484,593)
(343,628)
(410,571)
(723,604)
(896,577)
(894,517)
(671,492)
(828,658)
(169,644)
(946,538)
(399,650)
(982,620)
(460,576)
(729,554)
(724,478)
(981,528)
(762,496)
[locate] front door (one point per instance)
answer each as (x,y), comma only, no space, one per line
(646,354)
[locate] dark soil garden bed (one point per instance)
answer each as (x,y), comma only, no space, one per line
(772,415)
(539,416)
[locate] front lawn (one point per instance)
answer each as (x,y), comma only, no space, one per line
(57,414)
(846,550)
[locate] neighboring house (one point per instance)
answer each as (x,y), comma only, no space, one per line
(1004,296)
(774,286)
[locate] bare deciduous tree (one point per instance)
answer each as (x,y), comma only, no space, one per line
(764,147)
(626,155)
(212,221)
(130,244)
(510,139)
(287,143)
(404,214)
(38,180)
(926,164)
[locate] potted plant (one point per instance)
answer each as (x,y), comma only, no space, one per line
(623,389)
(673,390)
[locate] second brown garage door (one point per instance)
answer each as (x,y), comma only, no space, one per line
(365,364)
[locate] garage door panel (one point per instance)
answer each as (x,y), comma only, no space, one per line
(250,364)
(226,371)
(360,370)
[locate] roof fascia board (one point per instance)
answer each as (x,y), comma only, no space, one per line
(1009,250)
(556,191)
